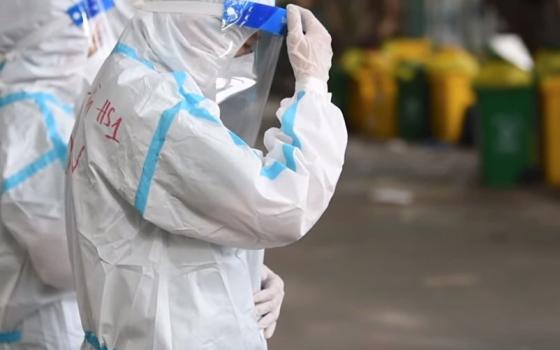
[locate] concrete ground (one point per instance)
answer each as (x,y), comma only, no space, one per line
(414,255)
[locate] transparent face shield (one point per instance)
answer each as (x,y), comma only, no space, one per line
(244,50)
(243,89)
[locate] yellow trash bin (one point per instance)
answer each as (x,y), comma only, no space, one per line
(500,74)
(548,70)
(550,90)
(547,63)
(451,74)
(372,100)
(408,49)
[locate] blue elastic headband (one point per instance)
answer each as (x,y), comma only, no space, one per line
(88,9)
(253,15)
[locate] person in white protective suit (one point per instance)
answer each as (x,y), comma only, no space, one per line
(107,28)
(41,61)
(44,48)
(168,210)
(38,77)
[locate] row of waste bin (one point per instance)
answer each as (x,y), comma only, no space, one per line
(411,91)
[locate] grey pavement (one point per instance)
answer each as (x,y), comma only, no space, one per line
(413,254)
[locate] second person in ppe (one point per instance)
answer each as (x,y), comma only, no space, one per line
(47,48)
(168,210)
(42,55)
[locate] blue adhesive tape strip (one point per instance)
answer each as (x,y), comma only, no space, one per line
(59,151)
(10,337)
(93,341)
(288,150)
(131,53)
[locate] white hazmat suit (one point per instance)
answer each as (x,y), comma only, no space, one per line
(168,211)
(38,80)
(43,60)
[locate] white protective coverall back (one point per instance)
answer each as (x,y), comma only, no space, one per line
(37,90)
(168,211)
(43,57)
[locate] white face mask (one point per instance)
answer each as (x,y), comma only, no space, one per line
(240,76)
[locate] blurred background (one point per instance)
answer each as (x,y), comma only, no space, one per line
(445,229)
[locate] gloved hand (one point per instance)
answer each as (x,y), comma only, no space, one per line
(309,46)
(268,301)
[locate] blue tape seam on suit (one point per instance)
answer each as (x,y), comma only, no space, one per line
(253,15)
(59,150)
(30,170)
(152,157)
(42,96)
(10,337)
(288,127)
(129,52)
(92,340)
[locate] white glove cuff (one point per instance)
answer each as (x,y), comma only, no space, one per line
(312,84)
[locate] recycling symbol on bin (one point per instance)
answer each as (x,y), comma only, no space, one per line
(507,131)
(412,107)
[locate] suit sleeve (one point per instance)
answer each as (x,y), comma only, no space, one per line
(186,173)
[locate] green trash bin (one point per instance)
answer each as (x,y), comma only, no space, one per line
(413,101)
(339,84)
(508,142)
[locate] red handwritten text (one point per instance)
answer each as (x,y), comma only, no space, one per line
(105,118)
(90,97)
(74,162)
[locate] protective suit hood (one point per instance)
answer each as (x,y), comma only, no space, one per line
(30,47)
(193,43)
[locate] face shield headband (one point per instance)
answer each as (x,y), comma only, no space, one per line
(242,13)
